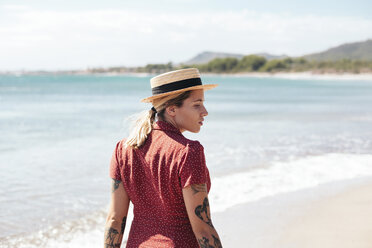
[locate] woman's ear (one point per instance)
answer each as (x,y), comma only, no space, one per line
(171,110)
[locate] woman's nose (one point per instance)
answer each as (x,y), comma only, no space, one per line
(205,112)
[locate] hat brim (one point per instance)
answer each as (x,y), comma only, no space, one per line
(203,87)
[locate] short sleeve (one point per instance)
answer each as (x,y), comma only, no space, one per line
(193,169)
(114,164)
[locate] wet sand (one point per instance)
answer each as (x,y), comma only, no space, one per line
(340,221)
(330,215)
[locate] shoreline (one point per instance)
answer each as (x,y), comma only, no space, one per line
(300,75)
(281,75)
(278,221)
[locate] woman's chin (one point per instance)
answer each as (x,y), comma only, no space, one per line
(196,130)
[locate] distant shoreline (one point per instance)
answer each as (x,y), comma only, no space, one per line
(283,75)
(301,75)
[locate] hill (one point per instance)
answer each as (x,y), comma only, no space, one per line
(205,57)
(354,51)
(270,56)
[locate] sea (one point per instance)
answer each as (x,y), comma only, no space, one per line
(264,136)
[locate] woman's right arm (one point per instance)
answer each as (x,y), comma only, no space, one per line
(198,210)
(117,215)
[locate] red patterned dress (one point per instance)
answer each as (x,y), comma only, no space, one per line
(153,176)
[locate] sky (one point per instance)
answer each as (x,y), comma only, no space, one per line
(73,34)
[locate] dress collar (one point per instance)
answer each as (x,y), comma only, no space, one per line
(165,126)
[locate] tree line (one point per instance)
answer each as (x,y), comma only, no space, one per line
(255,63)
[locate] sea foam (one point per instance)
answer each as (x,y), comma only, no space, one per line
(282,177)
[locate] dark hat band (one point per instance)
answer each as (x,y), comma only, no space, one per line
(178,85)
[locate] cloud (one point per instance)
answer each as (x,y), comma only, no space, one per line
(15,7)
(31,38)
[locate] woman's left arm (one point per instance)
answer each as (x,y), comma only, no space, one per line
(117,215)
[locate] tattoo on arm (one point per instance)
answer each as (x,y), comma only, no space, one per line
(202,212)
(123,224)
(217,242)
(196,188)
(113,237)
(204,242)
(115,185)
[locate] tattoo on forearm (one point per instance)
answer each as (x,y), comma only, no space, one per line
(115,184)
(204,242)
(196,188)
(112,238)
(123,224)
(217,242)
(202,212)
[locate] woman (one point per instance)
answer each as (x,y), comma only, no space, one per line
(163,173)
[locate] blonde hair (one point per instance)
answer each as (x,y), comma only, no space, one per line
(142,126)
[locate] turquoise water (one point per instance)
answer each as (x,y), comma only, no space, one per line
(58,133)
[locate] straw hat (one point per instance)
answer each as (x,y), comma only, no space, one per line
(175,82)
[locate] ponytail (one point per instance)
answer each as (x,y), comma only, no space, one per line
(141,128)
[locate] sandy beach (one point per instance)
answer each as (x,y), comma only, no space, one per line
(308,75)
(342,220)
(330,215)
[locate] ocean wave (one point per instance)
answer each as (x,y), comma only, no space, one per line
(283,177)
